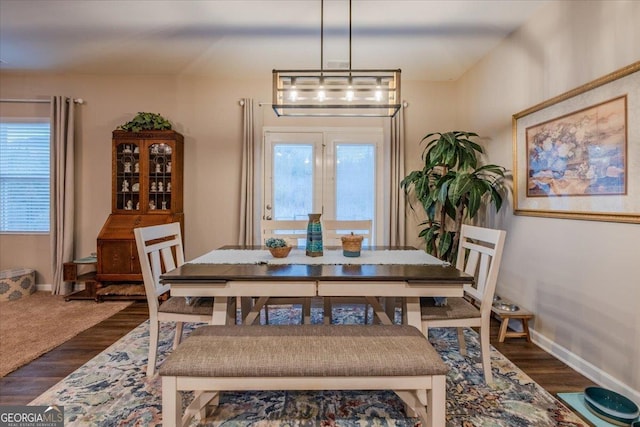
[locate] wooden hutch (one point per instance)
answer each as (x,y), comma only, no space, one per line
(147,189)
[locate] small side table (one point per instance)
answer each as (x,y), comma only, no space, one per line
(76,272)
(505,315)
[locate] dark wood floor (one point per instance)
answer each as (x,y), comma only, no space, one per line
(27,383)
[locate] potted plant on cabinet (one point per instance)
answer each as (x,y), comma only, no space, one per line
(450,187)
(146,121)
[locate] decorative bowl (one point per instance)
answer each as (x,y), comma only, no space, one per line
(611,406)
(281,252)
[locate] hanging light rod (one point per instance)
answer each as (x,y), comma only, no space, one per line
(346,93)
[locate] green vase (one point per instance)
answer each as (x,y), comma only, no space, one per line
(314,236)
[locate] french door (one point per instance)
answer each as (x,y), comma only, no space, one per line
(335,172)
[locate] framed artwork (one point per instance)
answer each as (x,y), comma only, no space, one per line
(577,155)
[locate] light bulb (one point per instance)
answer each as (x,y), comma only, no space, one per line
(349,94)
(293,95)
(321,94)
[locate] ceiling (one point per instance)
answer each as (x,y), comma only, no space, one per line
(427,39)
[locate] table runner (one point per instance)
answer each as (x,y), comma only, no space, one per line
(330,256)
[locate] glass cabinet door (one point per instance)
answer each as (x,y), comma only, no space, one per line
(128,176)
(159,185)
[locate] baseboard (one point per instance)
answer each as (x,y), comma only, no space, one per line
(49,287)
(585,368)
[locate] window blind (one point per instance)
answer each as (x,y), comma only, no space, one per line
(24,176)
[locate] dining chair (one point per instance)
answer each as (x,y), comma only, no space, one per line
(333,230)
(479,254)
(292,231)
(160,250)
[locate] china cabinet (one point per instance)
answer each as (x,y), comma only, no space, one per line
(147,189)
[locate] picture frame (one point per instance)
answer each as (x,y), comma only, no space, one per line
(577,155)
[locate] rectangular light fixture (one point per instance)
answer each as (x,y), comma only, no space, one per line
(345,93)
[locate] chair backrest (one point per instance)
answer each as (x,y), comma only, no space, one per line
(290,230)
(159,250)
(479,254)
(334,229)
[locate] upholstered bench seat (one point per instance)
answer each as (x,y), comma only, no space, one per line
(305,357)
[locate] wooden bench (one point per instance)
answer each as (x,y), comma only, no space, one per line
(505,315)
(304,357)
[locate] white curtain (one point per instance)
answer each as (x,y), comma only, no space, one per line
(62,187)
(397,200)
(245,236)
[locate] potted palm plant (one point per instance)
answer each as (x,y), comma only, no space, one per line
(450,187)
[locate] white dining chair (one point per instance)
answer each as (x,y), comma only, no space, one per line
(292,231)
(160,250)
(333,230)
(479,254)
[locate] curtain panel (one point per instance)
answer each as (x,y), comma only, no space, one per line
(62,187)
(246,236)
(397,220)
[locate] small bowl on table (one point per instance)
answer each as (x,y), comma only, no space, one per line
(280,252)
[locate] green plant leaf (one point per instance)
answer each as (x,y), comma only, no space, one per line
(146,121)
(450,186)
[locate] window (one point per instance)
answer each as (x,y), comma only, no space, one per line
(24,176)
(334,172)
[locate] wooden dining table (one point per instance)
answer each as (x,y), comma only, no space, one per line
(248,271)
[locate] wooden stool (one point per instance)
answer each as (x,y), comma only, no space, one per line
(505,316)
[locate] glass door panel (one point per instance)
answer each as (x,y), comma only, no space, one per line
(355,167)
(336,173)
(160,177)
(128,176)
(293,179)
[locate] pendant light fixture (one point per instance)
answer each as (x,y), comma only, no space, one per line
(350,93)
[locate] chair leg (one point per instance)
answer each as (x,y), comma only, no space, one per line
(178,335)
(485,349)
(327,311)
(461,342)
(171,403)
(154,329)
(266,314)
(306,311)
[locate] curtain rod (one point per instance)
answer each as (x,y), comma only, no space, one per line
(39,101)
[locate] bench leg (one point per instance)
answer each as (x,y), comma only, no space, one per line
(171,403)
(437,402)
(198,407)
(414,404)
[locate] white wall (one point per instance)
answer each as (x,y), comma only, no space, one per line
(207,113)
(580,278)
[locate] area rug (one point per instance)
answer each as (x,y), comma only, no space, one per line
(29,327)
(112,390)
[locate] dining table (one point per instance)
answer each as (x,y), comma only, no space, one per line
(250,272)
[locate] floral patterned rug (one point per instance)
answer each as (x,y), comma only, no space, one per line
(112,390)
